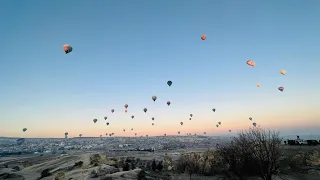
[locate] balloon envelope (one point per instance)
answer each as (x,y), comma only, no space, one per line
(67,48)
(203,37)
(281,88)
(154,98)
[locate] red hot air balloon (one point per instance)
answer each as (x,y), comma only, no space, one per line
(203,37)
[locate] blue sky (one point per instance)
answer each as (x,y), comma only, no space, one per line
(126,51)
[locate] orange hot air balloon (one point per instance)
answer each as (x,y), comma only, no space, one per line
(125,111)
(203,37)
(67,48)
(251,63)
(283,72)
(258,85)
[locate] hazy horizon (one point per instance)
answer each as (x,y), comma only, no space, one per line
(124,52)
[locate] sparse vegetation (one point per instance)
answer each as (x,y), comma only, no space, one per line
(93,174)
(106,178)
(133,166)
(160,166)
(126,167)
(188,163)
(59,175)
(45,173)
(94,159)
(253,152)
(78,164)
(154,165)
(141,175)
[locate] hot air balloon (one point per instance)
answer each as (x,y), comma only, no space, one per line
(281,89)
(190,119)
(191,115)
(154,98)
(214,110)
(229,130)
(258,85)
(178,132)
(135,134)
(169,83)
(110,135)
(219,123)
(251,63)
(195,134)
(283,72)
(24,129)
(132,117)
(181,123)
(152,118)
(126,106)
(66,135)
(152,124)
(105,118)
(67,48)
(106,134)
(131,129)
(254,124)
(100,135)
(124,130)
(107,123)
(204,133)
(165,134)
(203,37)
(112,110)
(147,135)
(168,103)
(125,111)
(80,135)
(250,118)
(95,120)
(145,110)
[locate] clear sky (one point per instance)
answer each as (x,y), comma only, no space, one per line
(126,51)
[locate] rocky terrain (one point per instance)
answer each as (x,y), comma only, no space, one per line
(296,163)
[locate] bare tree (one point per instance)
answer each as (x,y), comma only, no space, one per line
(251,148)
(188,163)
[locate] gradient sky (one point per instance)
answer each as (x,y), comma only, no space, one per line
(126,51)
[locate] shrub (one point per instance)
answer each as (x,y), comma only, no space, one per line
(59,175)
(160,166)
(107,178)
(93,174)
(154,165)
(141,175)
(45,173)
(126,167)
(188,163)
(253,152)
(133,166)
(78,164)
